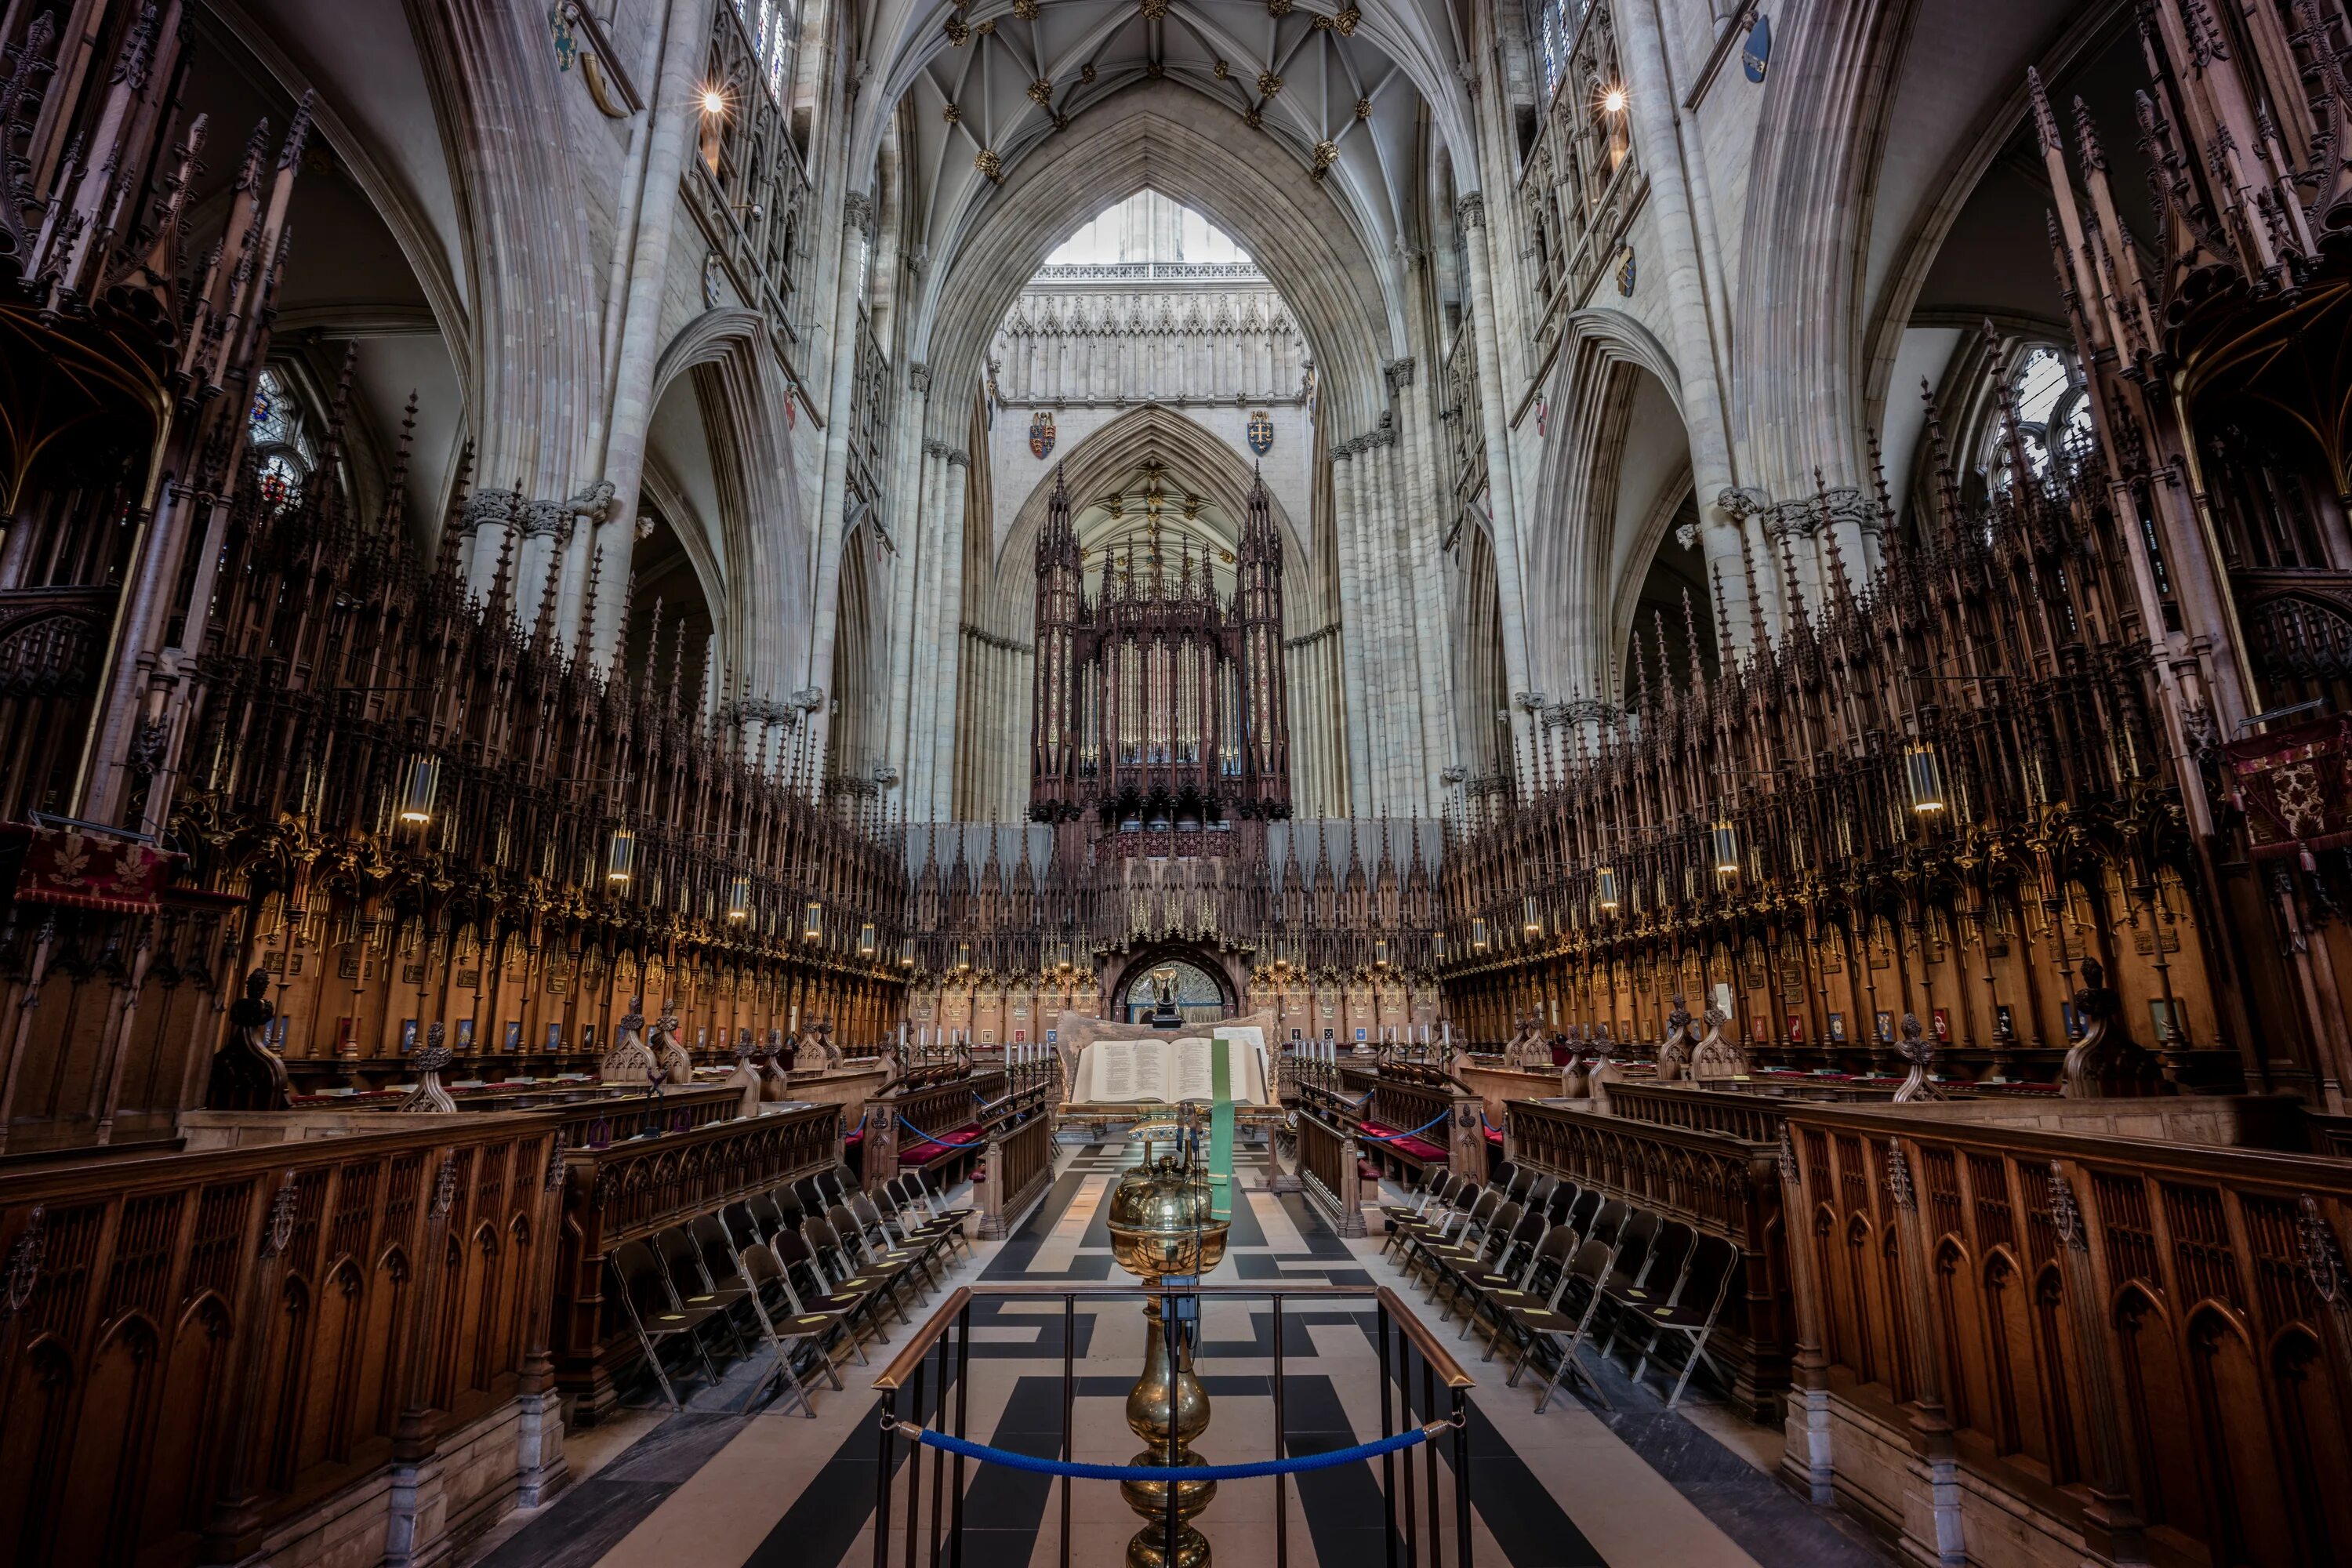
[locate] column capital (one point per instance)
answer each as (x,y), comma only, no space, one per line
(1470,212)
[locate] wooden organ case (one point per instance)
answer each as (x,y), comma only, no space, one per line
(1159,705)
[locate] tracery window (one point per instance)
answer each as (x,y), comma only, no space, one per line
(1554,31)
(773,33)
(1580,181)
(2053,415)
(280,443)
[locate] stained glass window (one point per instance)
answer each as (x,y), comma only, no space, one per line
(769,24)
(1556,25)
(280,443)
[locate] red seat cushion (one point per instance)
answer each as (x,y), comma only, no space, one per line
(1495,1136)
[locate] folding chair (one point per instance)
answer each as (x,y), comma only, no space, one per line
(1563,1323)
(1504,1269)
(1636,1285)
(649,1301)
(1455,1229)
(834,1256)
(683,1259)
(897,1266)
(793,1252)
(1455,1260)
(765,1214)
(924,1251)
(936,1201)
(1435,1200)
(1537,1284)
(917,1227)
(787,1327)
(1697,1303)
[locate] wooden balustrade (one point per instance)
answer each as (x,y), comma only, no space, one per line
(1330,1164)
(1019,1165)
(1716,1184)
(624,1192)
(911,1119)
(203,1353)
(1750,1118)
(2130,1350)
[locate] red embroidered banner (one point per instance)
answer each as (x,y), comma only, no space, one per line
(86,870)
(2296,787)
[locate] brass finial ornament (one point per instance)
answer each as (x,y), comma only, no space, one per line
(1163,1223)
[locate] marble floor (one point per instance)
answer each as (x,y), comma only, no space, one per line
(733,1480)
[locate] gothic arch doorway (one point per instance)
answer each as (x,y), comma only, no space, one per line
(1202,995)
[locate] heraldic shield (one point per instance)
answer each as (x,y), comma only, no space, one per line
(1041,433)
(1261,432)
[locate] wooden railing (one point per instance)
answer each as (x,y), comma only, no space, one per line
(196,1349)
(1750,1118)
(938,1107)
(624,1192)
(2146,1342)
(1717,1186)
(1330,1160)
(1019,1165)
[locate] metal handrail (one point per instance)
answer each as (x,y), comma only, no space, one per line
(930,1372)
(911,1355)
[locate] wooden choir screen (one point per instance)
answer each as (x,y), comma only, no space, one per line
(194,1347)
(1019,1164)
(626,1192)
(2148,1340)
(1716,1185)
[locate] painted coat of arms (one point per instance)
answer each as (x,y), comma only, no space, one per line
(1041,433)
(1261,432)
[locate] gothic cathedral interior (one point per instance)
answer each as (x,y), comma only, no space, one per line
(809,783)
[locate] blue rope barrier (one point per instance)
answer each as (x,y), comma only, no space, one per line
(1400,1137)
(927,1138)
(1087,1472)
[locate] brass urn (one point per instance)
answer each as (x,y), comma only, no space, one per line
(1163,1223)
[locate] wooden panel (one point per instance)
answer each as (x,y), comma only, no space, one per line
(196,1346)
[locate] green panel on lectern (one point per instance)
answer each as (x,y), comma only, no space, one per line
(1221,1127)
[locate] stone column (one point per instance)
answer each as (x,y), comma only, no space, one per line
(833,499)
(907,497)
(676,103)
(922,636)
(1355,699)
(1425,569)
(1470,213)
(950,622)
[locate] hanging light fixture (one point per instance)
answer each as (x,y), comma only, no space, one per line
(1478,934)
(813,923)
(963,957)
(420,783)
(1437,946)
(1379,952)
(1726,847)
(738,897)
(621,855)
(1531,919)
(865,940)
(906,952)
(1605,887)
(1923,776)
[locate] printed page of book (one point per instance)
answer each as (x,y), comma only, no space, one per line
(1150,1072)
(1251,1080)
(1192,1069)
(1113,1079)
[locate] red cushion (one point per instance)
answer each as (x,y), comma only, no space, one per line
(1495,1136)
(1419,1148)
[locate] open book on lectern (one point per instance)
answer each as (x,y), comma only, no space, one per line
(1171,1070)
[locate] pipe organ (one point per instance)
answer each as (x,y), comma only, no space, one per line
(1159,700)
